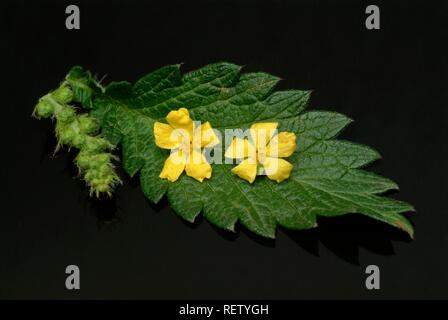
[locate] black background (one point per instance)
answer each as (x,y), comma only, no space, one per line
(391,81)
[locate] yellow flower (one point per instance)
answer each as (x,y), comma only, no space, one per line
(185,140)
(265,148)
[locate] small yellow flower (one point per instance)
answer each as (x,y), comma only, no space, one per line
(265,148)
(185,140)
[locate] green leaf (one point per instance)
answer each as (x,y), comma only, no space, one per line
(83,85)
(327,179)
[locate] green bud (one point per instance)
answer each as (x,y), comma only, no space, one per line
(95,182)
(111,179)
(101,179)
(44,109)
(63,94)
(104,170)
(66,114)
(66,135)
(103,158)
(83,161)
(89,176)
(87,124)
(79,140)
(96,144)
(103,187)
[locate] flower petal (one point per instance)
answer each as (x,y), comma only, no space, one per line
(197,166)
(180,119)
(239,149)
(246,170)
(204,136)
(208,135)
(282,145)
(261,133)
(165,136)
(277,169)
(174,166)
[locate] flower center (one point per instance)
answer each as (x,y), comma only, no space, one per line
(261,154)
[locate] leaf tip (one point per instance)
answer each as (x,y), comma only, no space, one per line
(191,219)
(406,227)
(270,236)
(242,66)
(411,233)
(394,186)
(309,92)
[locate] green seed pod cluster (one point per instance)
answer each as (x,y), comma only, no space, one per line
(80,131)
